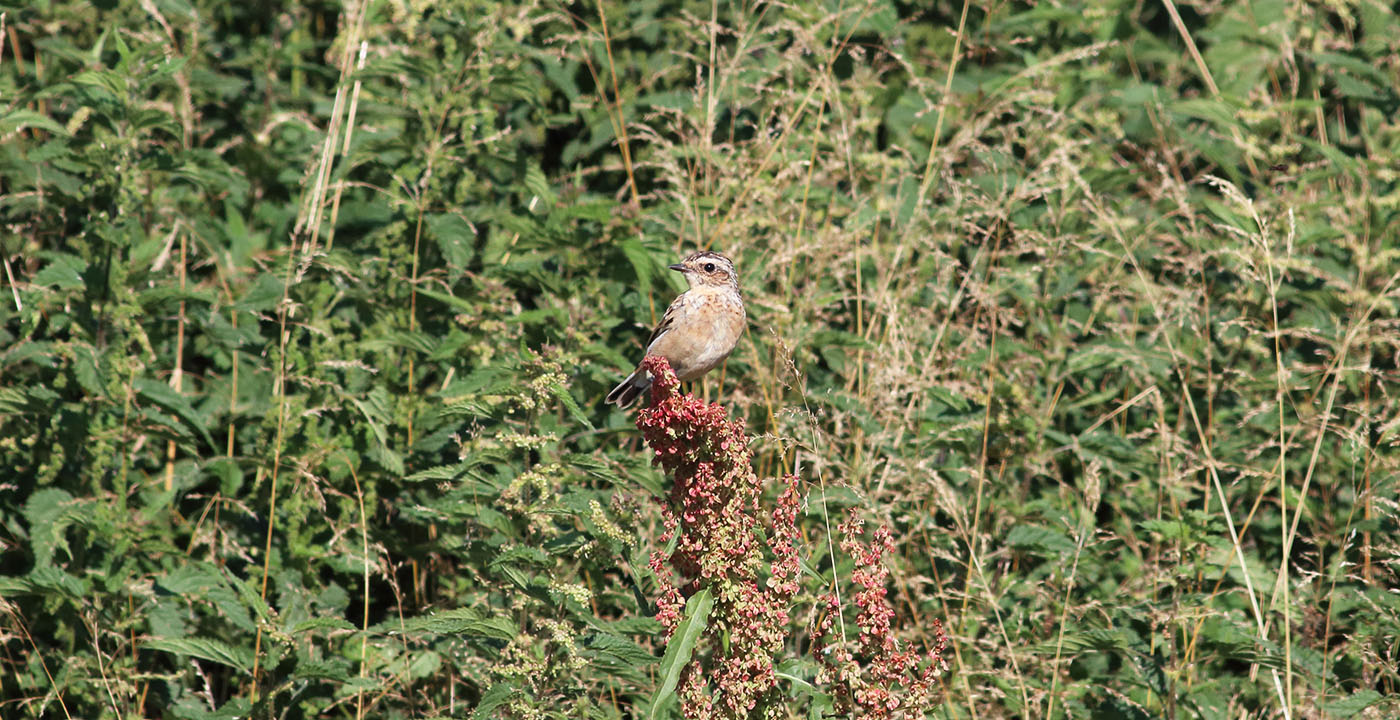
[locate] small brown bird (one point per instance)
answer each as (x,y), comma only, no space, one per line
(700,328)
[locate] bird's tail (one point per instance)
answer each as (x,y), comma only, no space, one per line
(630,389)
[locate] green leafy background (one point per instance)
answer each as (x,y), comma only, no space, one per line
(308,310)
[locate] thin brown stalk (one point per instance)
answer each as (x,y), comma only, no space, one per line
(621,122)
(177,377)
(364,594)
(280,396)
(1210,82)
(926,182)
(53,686)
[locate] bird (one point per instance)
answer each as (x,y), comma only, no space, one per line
(699,329)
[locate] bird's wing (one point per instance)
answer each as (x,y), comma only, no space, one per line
(673,313)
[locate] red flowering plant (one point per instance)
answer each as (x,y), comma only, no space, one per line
(871,677)
(713,515)
(747,572)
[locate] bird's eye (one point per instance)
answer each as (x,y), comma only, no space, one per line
(709,267)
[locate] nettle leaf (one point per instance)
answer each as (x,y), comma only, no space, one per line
(49,512)
(524,556)
(424,664)
(375,406)
(250,597)
(567,400)
(21,119)
(461,305)
(166,397)
(498,695)
(205,649)
(11,586)
(442,472)
(1095,639)
(89,368)
(617,653)
(415,341)
(53,579)
(235,709)
(265,294)
(538,185)
(63,271)
(205,586)
(596,211)
(454,236)
(1039,539)
(513,563)
(27,400)
(644,264)
(321,623)
(1353,704)
(35,354)
(187,579)
(594,466)
(1170,529)
(460,621)
(333,669)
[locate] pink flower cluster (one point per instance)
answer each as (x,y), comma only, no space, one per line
(713,513)
(876,679)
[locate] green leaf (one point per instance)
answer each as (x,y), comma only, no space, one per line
(538,185)
(321,623)
(424,664)
(1351,64)
(235,709)
(264,295)
(11,586)
(681,646)
(1213,111)
(616,648)
(567,400)
(1037,538)
(249,596)
(48,513)
(1168,529)
(460,621)
(1094,639)
(454,236)
(21,119)
(334,669)
(27,400)
(56,580)
(64,272)
(1355,703)
(166,397)
(375,407)
(189,579)
(205,649)
(498,695)
(643,264)
(453,302)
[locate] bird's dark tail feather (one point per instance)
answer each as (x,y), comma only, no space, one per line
(630,389)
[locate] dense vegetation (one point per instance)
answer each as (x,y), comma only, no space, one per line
(308,311)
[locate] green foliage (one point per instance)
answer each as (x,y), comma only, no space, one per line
(307,312)
(680,648)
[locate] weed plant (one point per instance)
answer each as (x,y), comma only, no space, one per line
(308,310)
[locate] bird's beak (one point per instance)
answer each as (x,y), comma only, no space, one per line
(677,267)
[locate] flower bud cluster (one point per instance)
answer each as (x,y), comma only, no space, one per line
(872,677)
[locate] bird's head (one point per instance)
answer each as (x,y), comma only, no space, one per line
(707,268)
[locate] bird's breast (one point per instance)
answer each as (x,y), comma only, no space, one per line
(704,335)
